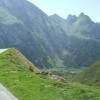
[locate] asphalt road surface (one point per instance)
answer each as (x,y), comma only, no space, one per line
(5,94)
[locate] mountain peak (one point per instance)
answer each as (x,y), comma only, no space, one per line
(84,16)
(56,16)
(71,19)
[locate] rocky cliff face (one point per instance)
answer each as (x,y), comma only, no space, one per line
(32,33)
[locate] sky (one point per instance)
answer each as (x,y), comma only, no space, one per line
(65,7)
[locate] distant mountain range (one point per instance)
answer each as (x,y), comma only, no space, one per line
(49,41)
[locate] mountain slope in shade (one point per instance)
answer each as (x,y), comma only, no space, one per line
(83,40)
(26,85)
(35,35)
(48,41)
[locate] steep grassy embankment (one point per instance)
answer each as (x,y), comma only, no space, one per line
(26,85)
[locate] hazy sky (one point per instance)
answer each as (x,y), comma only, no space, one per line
(66,7)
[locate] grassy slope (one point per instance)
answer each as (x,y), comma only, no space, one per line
(26,85)
(90,75)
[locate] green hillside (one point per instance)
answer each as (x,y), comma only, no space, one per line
(26,85)
(90,75)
